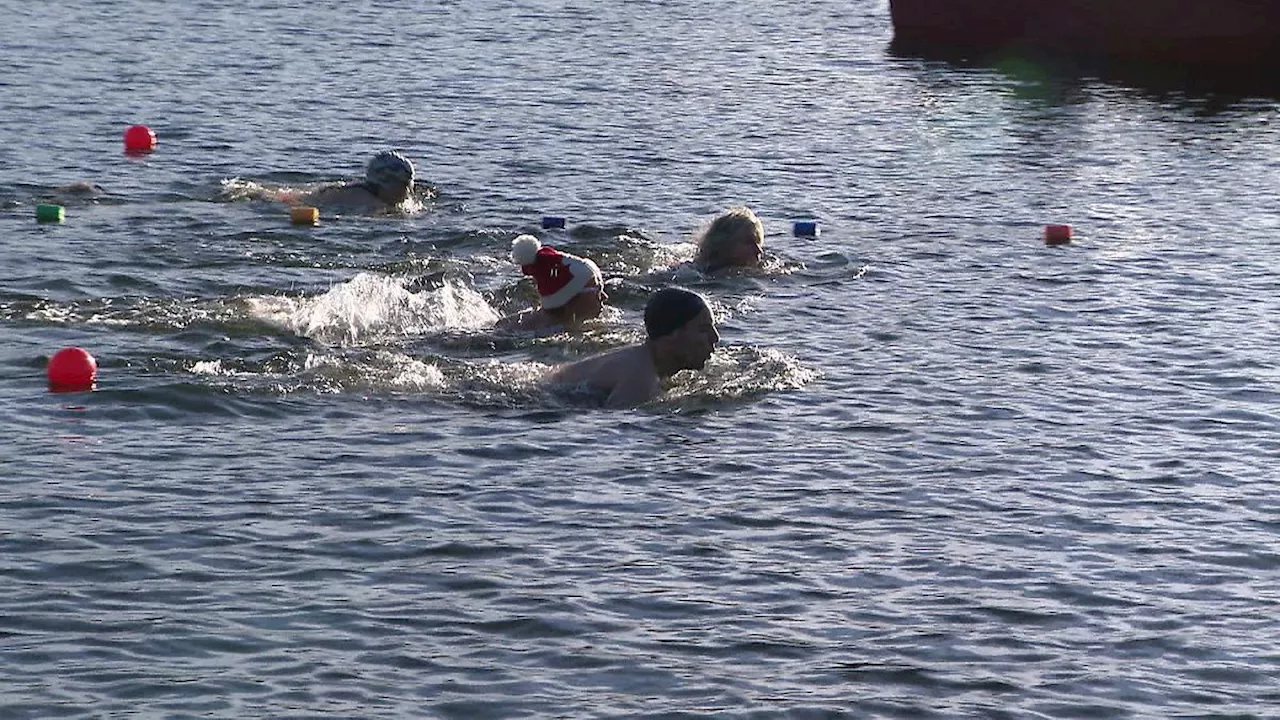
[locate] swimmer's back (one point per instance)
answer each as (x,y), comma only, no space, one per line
(352,198)
(626,376)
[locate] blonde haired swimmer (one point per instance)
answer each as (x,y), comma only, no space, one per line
(735,238)
(388,185)
(570,288)
(681,335)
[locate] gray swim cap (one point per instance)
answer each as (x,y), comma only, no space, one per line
(389,169)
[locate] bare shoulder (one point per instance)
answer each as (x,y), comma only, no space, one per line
(626,375)
(594,370)
(348,198)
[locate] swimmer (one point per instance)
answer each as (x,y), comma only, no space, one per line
(388,186)
(570,289)
(734,239)
(80,189)
(75,193)
(681,335)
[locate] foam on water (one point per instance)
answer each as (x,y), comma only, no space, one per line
(373,308)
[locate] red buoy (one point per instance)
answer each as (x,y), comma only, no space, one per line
(139,139)
(1057,234)
(72,369)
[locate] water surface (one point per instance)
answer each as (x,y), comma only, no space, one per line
(937,469)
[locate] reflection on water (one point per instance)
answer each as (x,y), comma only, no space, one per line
(1058,78)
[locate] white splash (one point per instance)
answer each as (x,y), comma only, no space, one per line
(208,367)
(742,372)
(238,188)
(370,307)
(383,371)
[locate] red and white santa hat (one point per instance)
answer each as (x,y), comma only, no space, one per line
(559,275)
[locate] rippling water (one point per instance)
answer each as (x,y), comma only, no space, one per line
(937,469)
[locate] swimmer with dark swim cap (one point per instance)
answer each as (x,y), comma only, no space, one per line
(681,336)
(388,185)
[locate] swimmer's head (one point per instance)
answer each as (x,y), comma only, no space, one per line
(680,328)
(734,239)
(390,174)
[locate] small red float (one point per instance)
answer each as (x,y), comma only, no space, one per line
(1057,234)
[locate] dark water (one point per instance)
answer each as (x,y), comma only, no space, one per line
(936,470)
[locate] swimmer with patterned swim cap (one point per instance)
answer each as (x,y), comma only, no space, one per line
(570,288)
(387,185)
(681,336)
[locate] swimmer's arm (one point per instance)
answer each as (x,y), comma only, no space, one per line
(508,323)
(349,196)
(523,321)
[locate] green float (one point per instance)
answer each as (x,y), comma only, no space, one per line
(50,213)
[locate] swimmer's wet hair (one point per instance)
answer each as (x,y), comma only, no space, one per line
(670,309)
(724,232)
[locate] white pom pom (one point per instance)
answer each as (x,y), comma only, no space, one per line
(524,249)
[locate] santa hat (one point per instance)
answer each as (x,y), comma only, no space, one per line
(559,275)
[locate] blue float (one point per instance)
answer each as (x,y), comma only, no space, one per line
(550,222)
(805,228)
